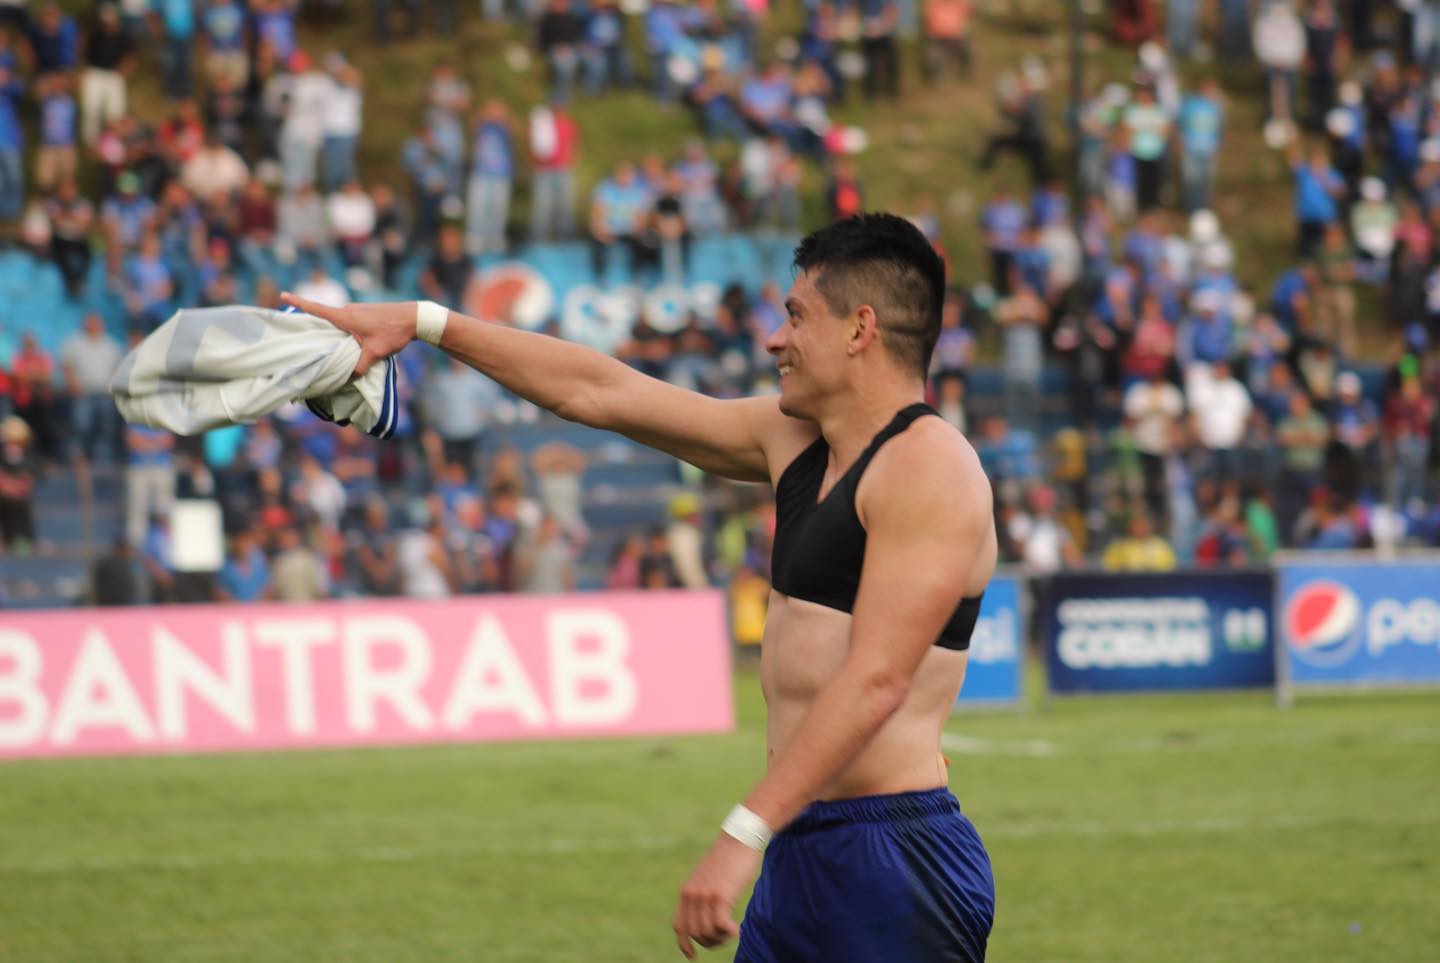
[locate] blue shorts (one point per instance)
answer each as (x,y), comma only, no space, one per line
(878,879)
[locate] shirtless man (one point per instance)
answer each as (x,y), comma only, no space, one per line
(884,543)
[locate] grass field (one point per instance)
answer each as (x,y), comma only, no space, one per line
(1149,828)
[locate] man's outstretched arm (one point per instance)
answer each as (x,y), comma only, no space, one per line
(725,437)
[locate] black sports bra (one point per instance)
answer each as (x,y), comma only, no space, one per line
(819,546)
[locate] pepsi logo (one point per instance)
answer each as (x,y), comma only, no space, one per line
(511,293)
(1321,623)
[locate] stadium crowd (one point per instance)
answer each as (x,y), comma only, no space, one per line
(1205,424)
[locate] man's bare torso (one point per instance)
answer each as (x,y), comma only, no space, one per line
(805,644)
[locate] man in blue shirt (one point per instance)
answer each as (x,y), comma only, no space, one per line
(1202,118)
(492,174)
(1318,187)
(1003,222)
(54,39)
(245,575)
(619,211)
(12,138)
(178,20)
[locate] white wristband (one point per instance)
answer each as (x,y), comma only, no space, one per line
(430,321)
(748,828)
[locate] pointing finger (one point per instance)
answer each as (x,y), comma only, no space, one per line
(315,308)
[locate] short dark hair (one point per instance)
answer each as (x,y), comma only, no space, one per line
(884,261)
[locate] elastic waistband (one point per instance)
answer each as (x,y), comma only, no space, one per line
(894,807)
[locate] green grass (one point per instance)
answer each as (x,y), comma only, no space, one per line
(1147,828)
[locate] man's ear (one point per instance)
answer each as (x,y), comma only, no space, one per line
(864,328)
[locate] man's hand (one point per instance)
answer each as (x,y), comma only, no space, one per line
(381,329)
(706,912)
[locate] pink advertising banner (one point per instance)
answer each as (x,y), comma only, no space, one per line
(207,678)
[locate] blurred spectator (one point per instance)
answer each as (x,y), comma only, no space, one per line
(618,210)
(301,228)
(1318,189)
(1008,454)
(223,26)
(559,472)
(878,23)
(554,147)
(320,492)
(604,53)
(72,218)
(1022,125)
(1409,428)
(1003,221)
(156,557)
(1279,41)
(149,478)
(245,575)
(18,472)
(1326,54)
(492,175)
(32,390)
(1140,549)
(109,56)
(148,285)
(12,137)
(57,157)
(657,566)
(459,403)
(214,169)
(625,563)
(298,573)
(343,121)
(89,360)
(320,286)
(1153,408)
(1146,126)
(559,34)
(1302,435)
(685,539)
(1023,318)
(114,578)
(947,38)
(1220,410)
(425,571)
(544,560)
(450,269)
(1044,544)
(374,549)
(307,103)
(178,26)
(1201,125)
(351,213)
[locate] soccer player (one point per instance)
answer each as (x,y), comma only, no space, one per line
(884,543)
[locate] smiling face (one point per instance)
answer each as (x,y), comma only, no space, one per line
(809,349)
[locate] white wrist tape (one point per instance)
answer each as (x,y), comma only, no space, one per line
(430,321)
(748,828)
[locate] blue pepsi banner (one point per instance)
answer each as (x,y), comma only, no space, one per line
(1129,632)
(1351,621)
(997,646)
